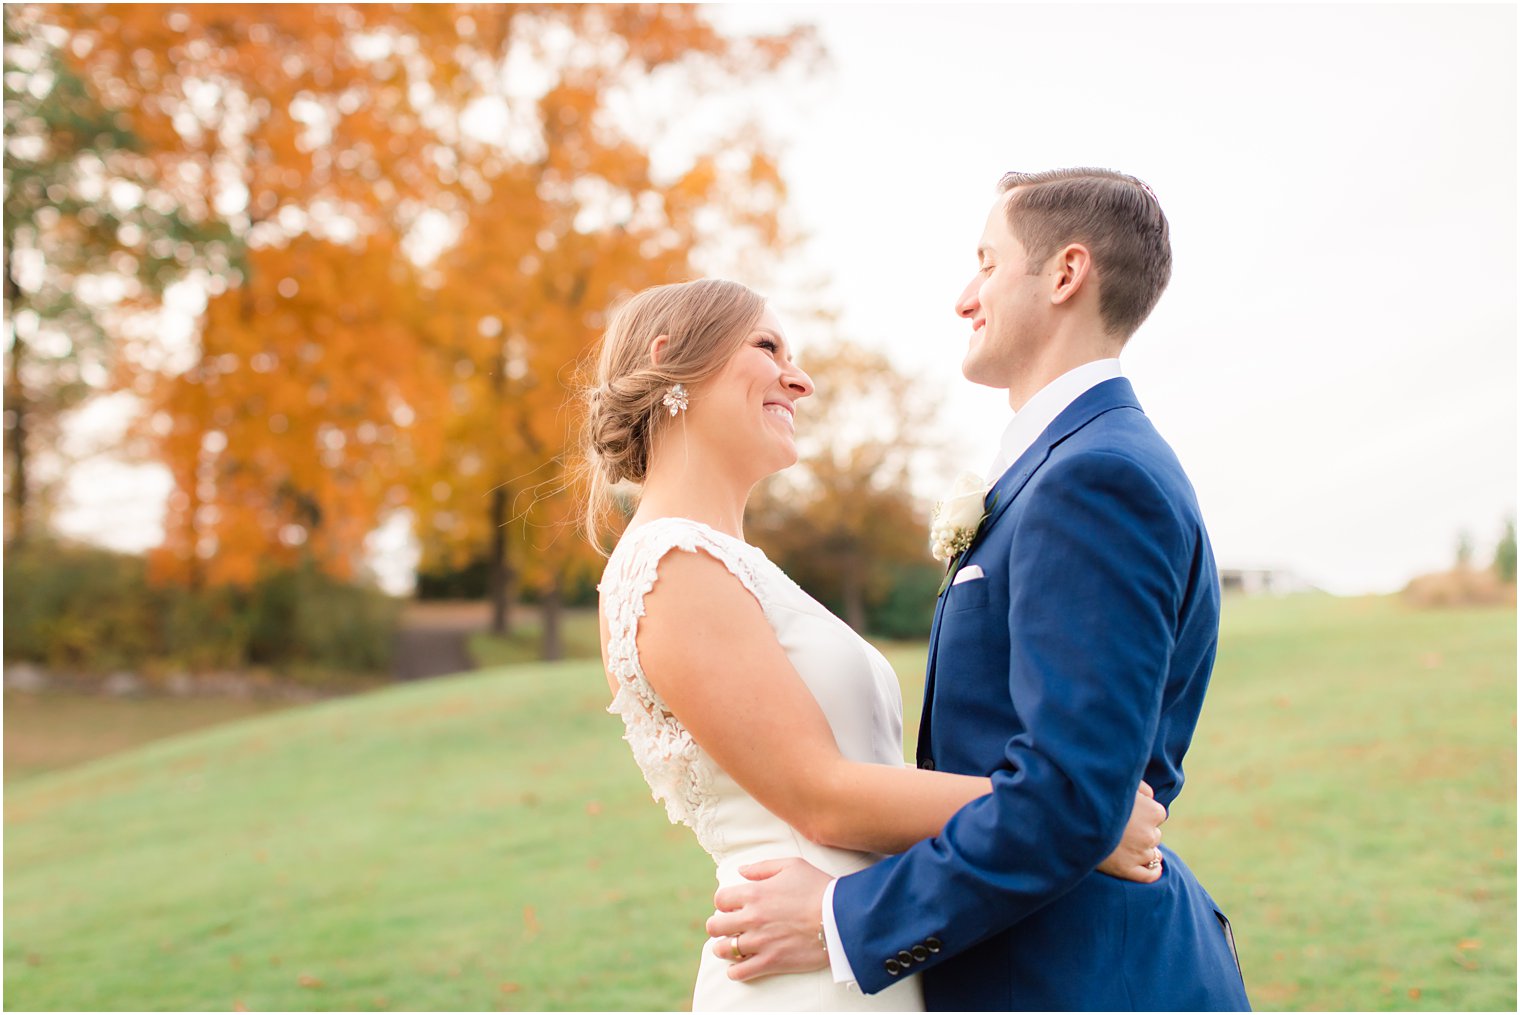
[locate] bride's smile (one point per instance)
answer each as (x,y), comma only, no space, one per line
(785,411)
(760,382)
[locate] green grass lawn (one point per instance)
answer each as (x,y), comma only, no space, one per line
(485,842)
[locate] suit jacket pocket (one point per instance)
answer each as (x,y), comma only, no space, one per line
(966,596)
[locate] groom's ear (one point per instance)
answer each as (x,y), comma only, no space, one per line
(657,348)
(1072,265)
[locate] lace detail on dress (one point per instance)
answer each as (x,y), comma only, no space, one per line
(678,771)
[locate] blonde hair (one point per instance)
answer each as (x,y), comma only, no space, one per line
(706,322)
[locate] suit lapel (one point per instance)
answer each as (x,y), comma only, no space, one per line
(928,705)
(1116,393)
(1092,403)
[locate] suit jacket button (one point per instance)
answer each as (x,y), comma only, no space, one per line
(920,953)
(927,764)
(934,944)
(905,958)
(893,967)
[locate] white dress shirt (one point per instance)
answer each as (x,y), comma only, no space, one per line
(1041,410)
(1027,424)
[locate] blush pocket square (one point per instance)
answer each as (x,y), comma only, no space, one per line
(969,573)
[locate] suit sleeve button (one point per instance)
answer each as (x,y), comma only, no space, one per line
(905,958)
(920,953)
(927,764)
(893,967)
(934,944)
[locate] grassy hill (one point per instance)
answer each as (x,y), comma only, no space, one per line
(485,842)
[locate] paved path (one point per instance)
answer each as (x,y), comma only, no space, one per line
(433,638)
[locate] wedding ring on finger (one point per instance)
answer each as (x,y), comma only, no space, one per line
(733,942)
(1154,861)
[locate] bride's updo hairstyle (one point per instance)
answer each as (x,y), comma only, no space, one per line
(707,321)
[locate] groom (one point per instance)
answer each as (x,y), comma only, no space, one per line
(1068,660)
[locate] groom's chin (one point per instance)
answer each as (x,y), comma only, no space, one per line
(975,371)
(970,371)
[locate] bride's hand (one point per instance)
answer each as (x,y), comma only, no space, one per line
(1138,858)
(772,923)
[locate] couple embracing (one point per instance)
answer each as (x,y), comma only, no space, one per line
(1018,864)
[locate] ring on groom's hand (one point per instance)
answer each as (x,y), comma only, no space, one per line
(1154,861)
(733,942)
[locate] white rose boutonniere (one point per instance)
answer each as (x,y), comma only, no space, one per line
(956,521)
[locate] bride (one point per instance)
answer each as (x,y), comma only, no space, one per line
(759,719)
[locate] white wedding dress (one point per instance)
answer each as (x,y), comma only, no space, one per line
(856,689)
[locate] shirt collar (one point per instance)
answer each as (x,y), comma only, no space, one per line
(1041,410)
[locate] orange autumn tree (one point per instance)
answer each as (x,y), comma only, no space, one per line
(314,133)
(296,428)
(575,213)
(342,368)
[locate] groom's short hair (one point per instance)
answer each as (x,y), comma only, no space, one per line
(1115,216)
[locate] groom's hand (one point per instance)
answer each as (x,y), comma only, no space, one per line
(1138,857)
(776,917)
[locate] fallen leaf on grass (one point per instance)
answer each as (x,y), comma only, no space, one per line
(530,921)
(510,988)
(1467,944)
(307,980)
(239,1006)
(593,807)
(1414,993)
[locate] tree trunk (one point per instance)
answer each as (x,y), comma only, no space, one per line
(854,597)
(15,404)
(502,577)
(554,611)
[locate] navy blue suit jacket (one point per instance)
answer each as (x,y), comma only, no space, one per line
(1075,668)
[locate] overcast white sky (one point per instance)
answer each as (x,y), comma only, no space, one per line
(1335,360)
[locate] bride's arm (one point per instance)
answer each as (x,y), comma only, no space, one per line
(706,647)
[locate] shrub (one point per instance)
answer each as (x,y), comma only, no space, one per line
(88,610)
(907,610)
(1504,554)
(303,616)
(76,607)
